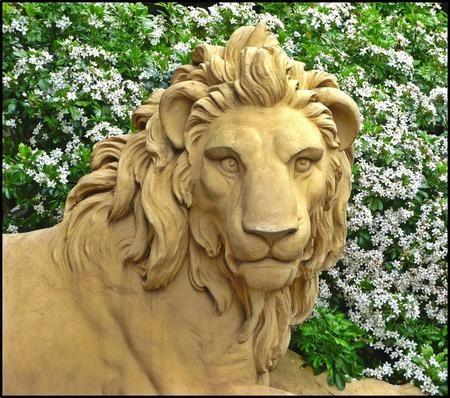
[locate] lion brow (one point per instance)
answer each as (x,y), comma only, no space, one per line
(220,152)
(313,154)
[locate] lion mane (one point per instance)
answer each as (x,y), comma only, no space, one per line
(149,177)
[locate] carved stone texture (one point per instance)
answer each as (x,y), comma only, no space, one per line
(192,246)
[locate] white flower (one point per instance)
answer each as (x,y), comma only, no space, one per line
(59,214)
(12,229)
(19,24)
(181,47)
(39,208)
(443,374)
(402,40)
(101,131)
(63,173)
(71,96)
(6,81)
(95,22)
(157,34)
(11,123)
(272,21)
(290,47)
(63,22)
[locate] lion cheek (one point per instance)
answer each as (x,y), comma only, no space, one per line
(214,185)
(313,191)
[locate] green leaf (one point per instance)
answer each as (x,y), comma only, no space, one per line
(42,84)
(340,382)
(330,378)
(82,103)
(11,106)
(24,150)
(135,53)
(341,342)
(427,351)
(74,113)
(29,9)
(316,362)
(376,204)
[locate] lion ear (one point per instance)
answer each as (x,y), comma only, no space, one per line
(345,114)
(175,108)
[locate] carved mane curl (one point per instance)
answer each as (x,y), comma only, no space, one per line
(148,179)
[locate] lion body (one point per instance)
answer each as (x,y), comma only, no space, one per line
(91,337)
(43,326)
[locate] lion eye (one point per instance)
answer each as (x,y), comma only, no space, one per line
(302,165)
(230,165)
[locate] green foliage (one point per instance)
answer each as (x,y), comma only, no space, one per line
(433,364)
(333,343)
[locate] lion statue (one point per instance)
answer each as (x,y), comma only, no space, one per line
(192,246)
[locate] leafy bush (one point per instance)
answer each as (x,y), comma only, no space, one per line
(73,72)
(331,342)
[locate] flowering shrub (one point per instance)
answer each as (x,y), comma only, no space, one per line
(73,73)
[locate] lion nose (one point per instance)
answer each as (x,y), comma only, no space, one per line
(270,235)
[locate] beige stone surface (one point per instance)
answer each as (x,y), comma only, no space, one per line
(288,376)
(186,253)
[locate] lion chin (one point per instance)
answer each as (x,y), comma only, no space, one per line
(268,274)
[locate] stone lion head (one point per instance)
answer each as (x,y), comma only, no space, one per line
(242,169)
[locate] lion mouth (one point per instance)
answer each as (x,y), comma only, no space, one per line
(268,273)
